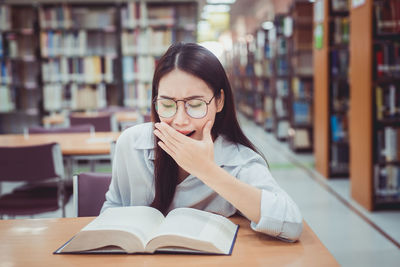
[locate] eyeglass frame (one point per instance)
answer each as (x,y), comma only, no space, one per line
(184,104)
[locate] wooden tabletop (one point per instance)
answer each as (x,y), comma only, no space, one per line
(71,143)
(31,242)
(121,116)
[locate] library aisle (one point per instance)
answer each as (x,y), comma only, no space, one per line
(345,228)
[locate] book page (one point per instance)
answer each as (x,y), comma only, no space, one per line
(198,225)
(138,220)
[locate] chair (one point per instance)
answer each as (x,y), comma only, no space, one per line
(41,168)
(82,128)
(89,192)
(102,123)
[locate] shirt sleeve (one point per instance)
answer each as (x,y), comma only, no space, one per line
(279,215)
(113,195)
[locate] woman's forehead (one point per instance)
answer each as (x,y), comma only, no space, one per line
(182,84)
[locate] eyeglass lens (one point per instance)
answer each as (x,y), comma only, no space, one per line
(195,108)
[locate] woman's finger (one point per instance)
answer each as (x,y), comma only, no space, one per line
(165,139)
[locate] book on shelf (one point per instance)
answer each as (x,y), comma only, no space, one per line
(6,99)
(387,101)
(340,158)
(282,129)
(301,112)
(387,182)
(387,15)
(301,139)
(161,16)
(339,128)
(52,97)
(5,18)
(341,28)
(301,88)
(140,229)
(340,5)
(388,144)
(340,62)
(387,58)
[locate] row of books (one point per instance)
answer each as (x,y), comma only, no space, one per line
(65,17)
(388,144)
(5,18)
(387,101)
(6,72)
(139,68)
(303,38)
(387,182)
(263,68)
(340,62)
(340,5)
(282,66)
(340,92)
(387,15)
(282,87)
(148,41)
(302,88)
(387,56)
(74,96)
(17,46)
(6,99)
(137,14)
(301,112)
(339,128)
(281,107)
(138,95)
(23,21)
(341,30)
(339,162)
(282,45)
(81,43)
(302,63)
(19,73)
(91,69)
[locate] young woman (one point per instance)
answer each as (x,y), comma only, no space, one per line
(195,154)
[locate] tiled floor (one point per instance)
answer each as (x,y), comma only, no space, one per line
(344,227)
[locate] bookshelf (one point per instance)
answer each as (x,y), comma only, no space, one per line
(332,90)
(299,30)
(19,88)
(375,80)
(148,29)
(78,45)
(281,76)
(249,71)
(20,91)
(85,55)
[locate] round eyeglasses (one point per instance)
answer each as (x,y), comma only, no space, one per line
(195,108)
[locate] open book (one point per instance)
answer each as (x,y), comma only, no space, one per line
(141,229)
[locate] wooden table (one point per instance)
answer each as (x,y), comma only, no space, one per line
(122,117)
(71,143)
(74,146)
(31,242)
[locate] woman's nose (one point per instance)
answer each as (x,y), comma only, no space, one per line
(181,116)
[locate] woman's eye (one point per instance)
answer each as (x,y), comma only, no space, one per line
(167,105)
(196,104)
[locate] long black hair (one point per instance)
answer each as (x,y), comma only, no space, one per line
(200,62)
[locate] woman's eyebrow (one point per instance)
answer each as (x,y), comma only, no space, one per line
(186,98)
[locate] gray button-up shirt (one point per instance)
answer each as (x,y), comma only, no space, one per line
(133,183)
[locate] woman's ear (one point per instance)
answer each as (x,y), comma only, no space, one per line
(221,101)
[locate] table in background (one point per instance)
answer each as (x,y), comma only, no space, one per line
(73,145)
(31,242)
(123,118)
